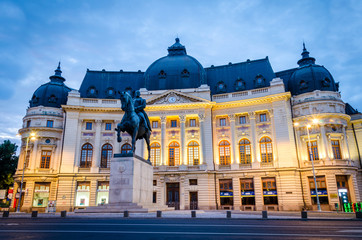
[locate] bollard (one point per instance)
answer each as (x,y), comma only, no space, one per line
(228,214)
(193,214)
(359,215)
(6,214)
(63,213)
(159,214)
(34,214)
(264,214)
(126,214)
(304,215)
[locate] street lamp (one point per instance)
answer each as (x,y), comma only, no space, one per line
(30,137)
(312,159)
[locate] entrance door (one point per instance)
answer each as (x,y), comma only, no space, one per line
(173,195)
(343,190)
(193,201)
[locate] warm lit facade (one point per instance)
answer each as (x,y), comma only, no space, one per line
(226,137)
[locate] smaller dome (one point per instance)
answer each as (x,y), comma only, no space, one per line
(53,93)
(310,77)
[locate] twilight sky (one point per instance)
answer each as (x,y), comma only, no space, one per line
(130,35)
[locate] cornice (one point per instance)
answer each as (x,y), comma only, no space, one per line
(322,115)
(90,109)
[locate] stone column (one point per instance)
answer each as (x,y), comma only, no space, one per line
(299,143)
(77,147)
(255,145)
(275,145)
(234,161)
(346,154)
(324,142)
(202,138)
(97,147)
(34,156)
(163,141)
(183,140)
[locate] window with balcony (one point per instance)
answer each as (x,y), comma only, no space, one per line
(245,151)
(313,150)
(336,149)
(50,123)
(174,154)
(224,152)
(107,151)
(266,150)
(155,154)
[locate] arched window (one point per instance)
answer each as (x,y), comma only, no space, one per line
(107,151)
(245,151)
(266,150)
(155,154)
(193,153)
(126,148)
(174,154)
(86,156)
(224,152)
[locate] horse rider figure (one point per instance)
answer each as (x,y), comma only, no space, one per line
(139,106)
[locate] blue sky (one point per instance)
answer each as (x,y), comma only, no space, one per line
(130,35)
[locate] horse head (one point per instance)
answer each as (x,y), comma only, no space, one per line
(127,102)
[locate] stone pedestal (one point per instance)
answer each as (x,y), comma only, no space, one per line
(131,180)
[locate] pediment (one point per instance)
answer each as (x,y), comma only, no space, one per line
(174,97)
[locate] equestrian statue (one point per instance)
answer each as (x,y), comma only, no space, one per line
(135,120)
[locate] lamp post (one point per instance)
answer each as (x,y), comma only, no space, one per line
(312,159)
(30,137)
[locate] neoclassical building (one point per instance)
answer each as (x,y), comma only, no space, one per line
(237,136)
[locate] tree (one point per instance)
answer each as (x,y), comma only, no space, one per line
(8,163)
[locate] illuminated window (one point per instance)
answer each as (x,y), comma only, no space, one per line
(88,126)
(108,126)
(154,124)
(192,122)
(336,149)
(155,154)
(193,153)
(173,123)
(270,193)
(224,152)
(107,151)
(174,154)
(45,159)
(126,148)
(222,122)
(322,190)
(262,117)
(313,150)
(266,150)
(50,123)
(244,151)
(86,156)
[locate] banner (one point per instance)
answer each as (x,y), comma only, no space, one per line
(226,194)
(270,193)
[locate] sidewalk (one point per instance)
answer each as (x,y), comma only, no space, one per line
(201,214)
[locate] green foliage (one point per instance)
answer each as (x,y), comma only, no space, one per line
(8,163)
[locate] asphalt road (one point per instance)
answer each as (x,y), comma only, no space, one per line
(174,229)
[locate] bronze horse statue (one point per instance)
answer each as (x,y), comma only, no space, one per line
(132,124)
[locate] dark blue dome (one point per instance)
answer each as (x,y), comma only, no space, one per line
(310,77)
(175,71)
(51,94)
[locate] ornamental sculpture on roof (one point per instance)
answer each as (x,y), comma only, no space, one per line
(135,120)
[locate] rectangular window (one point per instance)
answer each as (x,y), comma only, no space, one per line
(262,117)
(247,191)
(154,182)
(173,123)
(50,123)
(154,197)
(192,122)
(313,150)
(336,149)
(270,193)
(102,193)
(222,122)
(226,192)
(242,119)
(88,126)
(45,159)
(154,124)
(108,126)
(82,196)
(322,190)
(193,181)
(41,194)
(27,158)
(28,123)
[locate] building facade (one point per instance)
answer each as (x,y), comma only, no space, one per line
(237,136)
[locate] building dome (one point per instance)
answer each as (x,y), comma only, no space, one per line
(53,93)
(177,70)
(310,77)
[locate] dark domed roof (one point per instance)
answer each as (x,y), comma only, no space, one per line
(53,93)
(309,77)
(175,71)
